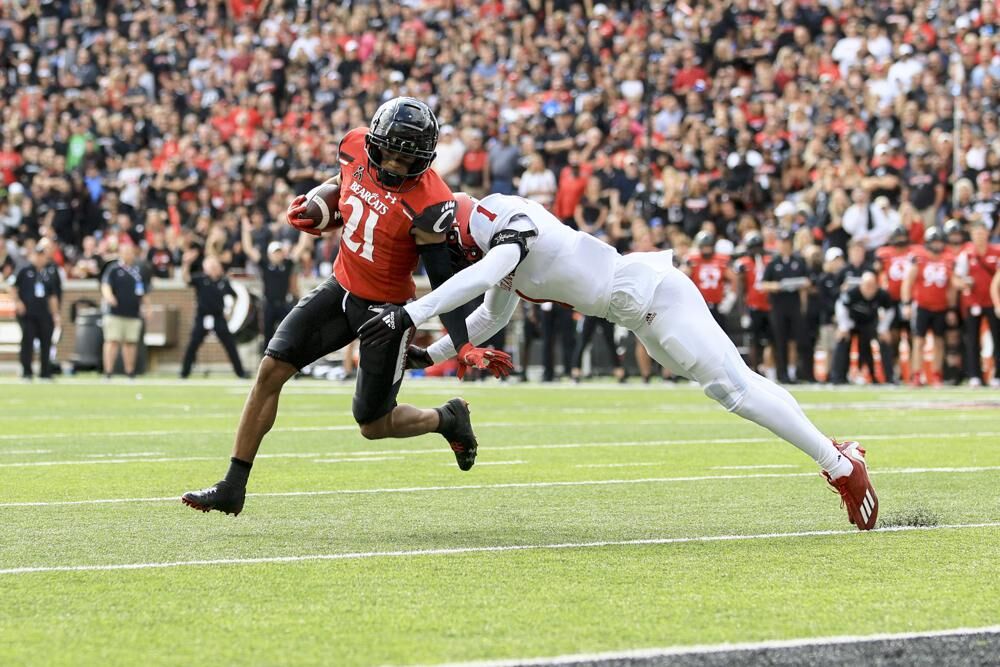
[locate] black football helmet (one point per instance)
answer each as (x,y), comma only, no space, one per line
(703,240)
(954,228)
(899,237)
(934,235)
(754,242)
(407,126)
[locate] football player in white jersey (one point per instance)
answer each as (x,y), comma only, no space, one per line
(516,248)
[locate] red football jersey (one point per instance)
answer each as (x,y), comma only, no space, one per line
(930,289)
(377,251)
(753,272)
(895,263)
(709,275)
(981,269)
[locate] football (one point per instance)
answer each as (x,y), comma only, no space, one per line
(322,207)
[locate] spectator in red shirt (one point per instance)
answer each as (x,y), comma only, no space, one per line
(474,171)
(690,73)
(572,183)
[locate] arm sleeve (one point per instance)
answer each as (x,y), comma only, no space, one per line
(437,262)
(483,323)
(466,284)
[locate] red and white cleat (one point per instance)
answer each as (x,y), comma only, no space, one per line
(856,491)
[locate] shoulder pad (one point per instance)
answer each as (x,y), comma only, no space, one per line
(436,218)
(352,146)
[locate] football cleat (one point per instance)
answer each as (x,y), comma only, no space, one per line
(856,491)
(222,496)
(460,436)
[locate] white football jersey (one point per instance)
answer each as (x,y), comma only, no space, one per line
(568,266)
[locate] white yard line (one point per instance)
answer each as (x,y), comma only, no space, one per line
(761,467)
(129,455)
(498,424)
(468,550)
(508,485)
(671,651)
(568,445)
(492,463)
(637,464)
(360,460)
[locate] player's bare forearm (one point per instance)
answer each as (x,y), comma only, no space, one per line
(906,289)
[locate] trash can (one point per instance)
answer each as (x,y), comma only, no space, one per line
(87,349)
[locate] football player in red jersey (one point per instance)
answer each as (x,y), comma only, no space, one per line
(929,299)
(750,269)
(975,268)
(893,261)
(710,273)
(396,211)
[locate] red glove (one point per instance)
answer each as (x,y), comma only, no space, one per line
(497,362)
(294,216)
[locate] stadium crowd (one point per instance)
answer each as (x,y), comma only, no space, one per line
(829,135)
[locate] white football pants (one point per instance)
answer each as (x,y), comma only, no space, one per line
(680,334)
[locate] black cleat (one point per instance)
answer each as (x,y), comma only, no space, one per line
(222,496)
(460,436)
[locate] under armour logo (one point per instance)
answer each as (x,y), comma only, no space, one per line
(359,173)
(650,317)
(391,197)
(390,320)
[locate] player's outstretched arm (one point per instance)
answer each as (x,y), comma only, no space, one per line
(466,284)
(483,323)
(452,293)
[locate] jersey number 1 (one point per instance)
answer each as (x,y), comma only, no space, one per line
(358,210)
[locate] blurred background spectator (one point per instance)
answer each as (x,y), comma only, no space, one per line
(166,124)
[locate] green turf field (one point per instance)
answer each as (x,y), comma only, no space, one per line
(627,503)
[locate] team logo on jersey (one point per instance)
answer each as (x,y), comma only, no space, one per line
(369,197)
(447,215)
(359,173)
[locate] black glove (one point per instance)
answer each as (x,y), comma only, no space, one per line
(386,327)
(418,357)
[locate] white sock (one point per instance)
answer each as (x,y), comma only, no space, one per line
(775,409)
(843,468)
